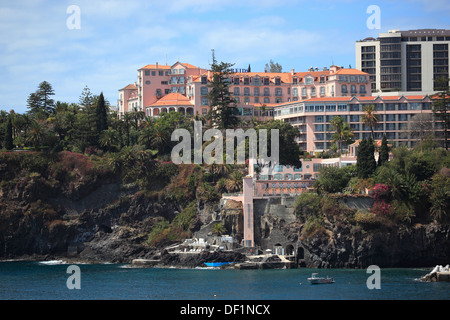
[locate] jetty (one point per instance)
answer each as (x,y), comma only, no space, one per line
(438,274)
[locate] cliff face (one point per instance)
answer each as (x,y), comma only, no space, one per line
(339,243)
(112,224)
(107,225)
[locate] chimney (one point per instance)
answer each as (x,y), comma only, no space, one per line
(292,71)
(156,65)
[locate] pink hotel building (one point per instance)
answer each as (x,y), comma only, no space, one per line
(252,90)
(308,100)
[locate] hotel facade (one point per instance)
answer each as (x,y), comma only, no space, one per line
(307,100)
(252,91)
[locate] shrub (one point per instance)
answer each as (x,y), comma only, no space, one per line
(307,204)
(381,208)
(381,192)
(368,220)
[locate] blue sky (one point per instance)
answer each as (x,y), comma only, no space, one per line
(118,37)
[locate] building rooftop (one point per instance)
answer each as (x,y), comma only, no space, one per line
(173,99)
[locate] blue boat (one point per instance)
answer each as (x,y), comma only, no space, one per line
(216,264)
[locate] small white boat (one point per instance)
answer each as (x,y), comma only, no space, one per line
(319,280)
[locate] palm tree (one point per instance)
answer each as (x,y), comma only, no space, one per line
(109,138)
(161,138)
(343,132)
(370,118)
(36,133)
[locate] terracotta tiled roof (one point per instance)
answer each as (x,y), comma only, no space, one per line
(173,99)
(130,87)
(154,66)
(350,71)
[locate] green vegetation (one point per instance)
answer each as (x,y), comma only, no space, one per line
(413,187)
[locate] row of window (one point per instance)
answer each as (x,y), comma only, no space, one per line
(353,107)
(281,185)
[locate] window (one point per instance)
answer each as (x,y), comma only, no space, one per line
(147,72)
(147,82)
(266,81)
(342,107)
(236,81)
(322,91)
(246,81)
(256,81)
(353,89)
(266,100)
(278,176)
(313,92)
(309,80)
(331,108)
(256,92)
(160,73)
(344,88)
(277,81)
(362,89)
(278,92)
(204,101)
(266,92)
(303,92)
(295,92)
(153,73)
(246,91)
(204,80)
(318,119)
(204,91)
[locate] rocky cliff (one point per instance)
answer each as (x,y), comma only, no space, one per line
(112,224)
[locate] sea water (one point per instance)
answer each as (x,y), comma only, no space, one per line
(22,280)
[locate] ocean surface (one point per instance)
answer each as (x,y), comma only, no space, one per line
(21,280)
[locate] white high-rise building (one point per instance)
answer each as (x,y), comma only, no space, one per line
(405,62)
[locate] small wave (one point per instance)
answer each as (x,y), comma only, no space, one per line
(52,262)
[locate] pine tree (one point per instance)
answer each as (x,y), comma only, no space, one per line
(8,144)
(383,155)
(40,102)
(222,105)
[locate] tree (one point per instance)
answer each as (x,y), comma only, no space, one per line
(102,114)
(289,149)
(343,132)
(109,139)
(421,126)
(40,101)
(370,118)
(441,106)
(365,162)
(8,144)
(273,67)
(222,105)
(86,98)
(36,134)
(383,155)
(333,179)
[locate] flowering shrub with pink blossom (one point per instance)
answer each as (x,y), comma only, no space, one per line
(381,192)
(381,208)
